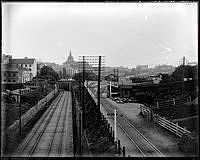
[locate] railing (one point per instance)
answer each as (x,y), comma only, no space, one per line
(120,149)
(172,127)
(23,91)
(31,113)
(85,145)
(173,102)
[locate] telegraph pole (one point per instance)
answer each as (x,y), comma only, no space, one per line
(183,75)
(20,114)
(110,89)
(118,77)
(83,94)
(99,80)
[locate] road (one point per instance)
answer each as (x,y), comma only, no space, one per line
(52,135)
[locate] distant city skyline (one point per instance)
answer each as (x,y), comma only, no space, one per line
(127,34)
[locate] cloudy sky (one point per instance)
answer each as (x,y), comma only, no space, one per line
(127,34)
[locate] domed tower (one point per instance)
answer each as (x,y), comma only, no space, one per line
(70,57)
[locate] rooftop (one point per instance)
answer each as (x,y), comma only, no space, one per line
(23,61)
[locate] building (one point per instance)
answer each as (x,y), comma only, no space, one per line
(141,67)
(28,63)
(9,73)
(166,69)
(17,70)
(70,65)
(25,75)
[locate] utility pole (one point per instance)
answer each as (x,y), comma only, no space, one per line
(99,80)
(20,114)
(115,125)
(110,89)
(83,94)
(183,75)
(118,77)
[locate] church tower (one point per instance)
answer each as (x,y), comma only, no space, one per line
(70,57)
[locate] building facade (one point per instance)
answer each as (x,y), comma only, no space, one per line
(17,70)
(70,65)
(9,73)
(141,67)
(27,63)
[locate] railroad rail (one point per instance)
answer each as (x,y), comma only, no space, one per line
(143,145)
(46,138)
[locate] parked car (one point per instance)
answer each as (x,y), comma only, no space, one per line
(119,101)
(130,100)
(125,100)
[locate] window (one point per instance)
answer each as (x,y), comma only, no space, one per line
(30,65)
(21,65)
(14,80)
(25,65)
(4,74)
(9,81)
(30,69)
(4,80)
(14,74)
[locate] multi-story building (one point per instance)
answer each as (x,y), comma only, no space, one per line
(28,63)
(17,70)
(70,65)
(10,73)
(25,75)
(141,67)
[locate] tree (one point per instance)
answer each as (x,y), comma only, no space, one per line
(177,75)
(166,78)
(47,72)
(189,72)
(88,76)
(111,77)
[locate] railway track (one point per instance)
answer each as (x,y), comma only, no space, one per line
(143,145)
(46,138)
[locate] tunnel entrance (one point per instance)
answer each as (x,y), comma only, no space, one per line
(65,84)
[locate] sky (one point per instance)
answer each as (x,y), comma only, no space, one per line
(127,34)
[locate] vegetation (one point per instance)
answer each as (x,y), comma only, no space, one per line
(48,73)
(177,75)
(12,140)
(99,138)
(27,101)
(90,76)
(111,77)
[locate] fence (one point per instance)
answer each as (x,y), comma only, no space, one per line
(85,146)
(172,127)
(16,93)
(174,102)
(120,149)
(146,112)
(13,130)
(23,91)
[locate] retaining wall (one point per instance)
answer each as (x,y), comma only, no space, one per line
(13,130)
